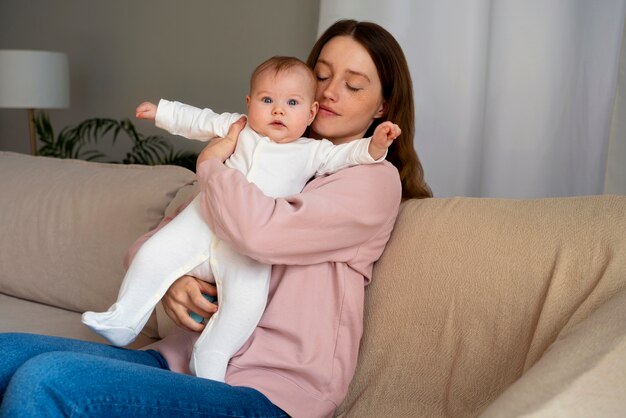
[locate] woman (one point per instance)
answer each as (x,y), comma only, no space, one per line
(322,244)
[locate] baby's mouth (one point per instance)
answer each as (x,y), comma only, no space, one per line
(278,123)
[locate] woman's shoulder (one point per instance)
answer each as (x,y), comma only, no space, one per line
(383,167)
(383,173)
(380,182)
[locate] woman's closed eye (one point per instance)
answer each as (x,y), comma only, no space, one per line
(321,78)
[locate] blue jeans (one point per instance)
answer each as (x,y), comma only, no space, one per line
(42,376)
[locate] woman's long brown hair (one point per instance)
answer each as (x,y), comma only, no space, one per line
(395,78)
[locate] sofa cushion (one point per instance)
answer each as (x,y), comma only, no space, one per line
(19,315)
(470,293)
(66,225)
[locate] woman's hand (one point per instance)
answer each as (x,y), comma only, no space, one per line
(222,148)
(184,296)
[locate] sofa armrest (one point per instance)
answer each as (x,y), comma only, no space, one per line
(582,374)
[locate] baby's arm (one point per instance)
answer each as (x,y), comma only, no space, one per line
(188,121)
(384,135)
(360,151)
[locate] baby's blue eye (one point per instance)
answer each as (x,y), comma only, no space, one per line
(266,100)
(292,102)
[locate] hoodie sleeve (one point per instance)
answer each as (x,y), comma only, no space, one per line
(329,221)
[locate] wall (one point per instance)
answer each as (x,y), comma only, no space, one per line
(123,52)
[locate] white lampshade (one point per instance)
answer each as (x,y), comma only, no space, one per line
(34,79)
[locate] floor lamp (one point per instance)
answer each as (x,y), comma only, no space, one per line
(34,80)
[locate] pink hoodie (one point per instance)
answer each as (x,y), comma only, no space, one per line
(322,244)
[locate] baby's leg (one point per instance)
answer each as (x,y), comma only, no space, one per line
(173,251)
(242,287)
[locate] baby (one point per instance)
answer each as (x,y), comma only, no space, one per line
(272,154)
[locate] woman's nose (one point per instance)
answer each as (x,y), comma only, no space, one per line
(330,91)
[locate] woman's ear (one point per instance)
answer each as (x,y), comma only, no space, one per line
(382,110)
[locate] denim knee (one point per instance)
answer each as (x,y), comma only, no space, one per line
(41,371)
(6,337)
(12,355)
(11,339)
(36,386)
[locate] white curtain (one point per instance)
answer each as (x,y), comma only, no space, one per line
(514,98)
(615,181)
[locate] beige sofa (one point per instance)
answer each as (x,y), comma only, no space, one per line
(490,307)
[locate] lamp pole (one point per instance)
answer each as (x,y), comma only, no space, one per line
(31,129)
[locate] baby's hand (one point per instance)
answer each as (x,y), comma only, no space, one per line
(384,134)
(146,110)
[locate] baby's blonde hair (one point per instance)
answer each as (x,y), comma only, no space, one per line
(280,64)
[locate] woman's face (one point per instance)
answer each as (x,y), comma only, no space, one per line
(349,91)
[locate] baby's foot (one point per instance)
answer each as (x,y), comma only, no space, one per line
(110,326)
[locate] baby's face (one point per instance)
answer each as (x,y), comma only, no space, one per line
(281,105)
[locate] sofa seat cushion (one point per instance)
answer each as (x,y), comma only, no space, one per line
(18,315)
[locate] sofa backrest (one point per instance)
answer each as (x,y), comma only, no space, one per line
(67,224)
(469,294)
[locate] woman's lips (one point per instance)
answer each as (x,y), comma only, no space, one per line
(325,110)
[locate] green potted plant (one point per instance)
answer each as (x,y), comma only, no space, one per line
(72,142)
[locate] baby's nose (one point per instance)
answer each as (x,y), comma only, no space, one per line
(278,111)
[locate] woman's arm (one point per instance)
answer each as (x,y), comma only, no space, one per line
(317,232)
(315,237)
(329,221)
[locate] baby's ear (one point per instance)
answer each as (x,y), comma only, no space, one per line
(315,106)
(248,101)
